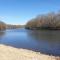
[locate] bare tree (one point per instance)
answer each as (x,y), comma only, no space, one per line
(50,20)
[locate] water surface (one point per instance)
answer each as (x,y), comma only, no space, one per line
(44,41)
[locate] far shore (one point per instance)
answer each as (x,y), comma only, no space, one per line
(11,53)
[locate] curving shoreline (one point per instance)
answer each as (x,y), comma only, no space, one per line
(11,53)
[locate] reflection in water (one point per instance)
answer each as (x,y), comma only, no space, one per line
(2,33)
(43,41)
(49,41)
(51,36)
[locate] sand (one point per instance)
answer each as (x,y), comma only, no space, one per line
(11,53)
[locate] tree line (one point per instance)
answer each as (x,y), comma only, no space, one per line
(10,26)
(45,21)
(4,26)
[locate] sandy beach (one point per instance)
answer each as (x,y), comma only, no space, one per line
(11,53)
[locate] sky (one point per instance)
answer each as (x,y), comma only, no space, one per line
(21,11)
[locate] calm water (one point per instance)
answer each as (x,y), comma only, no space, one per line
(47,42)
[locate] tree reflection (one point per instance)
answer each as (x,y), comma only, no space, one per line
(51,36)
(2,33)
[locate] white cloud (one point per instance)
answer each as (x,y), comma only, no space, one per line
(2,17)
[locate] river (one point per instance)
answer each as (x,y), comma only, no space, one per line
(44,41)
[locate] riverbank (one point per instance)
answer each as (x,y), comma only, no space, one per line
(11,53)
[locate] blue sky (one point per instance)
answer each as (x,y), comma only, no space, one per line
(21,11)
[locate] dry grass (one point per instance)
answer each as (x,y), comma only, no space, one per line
(10,53)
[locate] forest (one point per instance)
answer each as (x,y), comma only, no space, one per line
(49,21)
(4,26)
